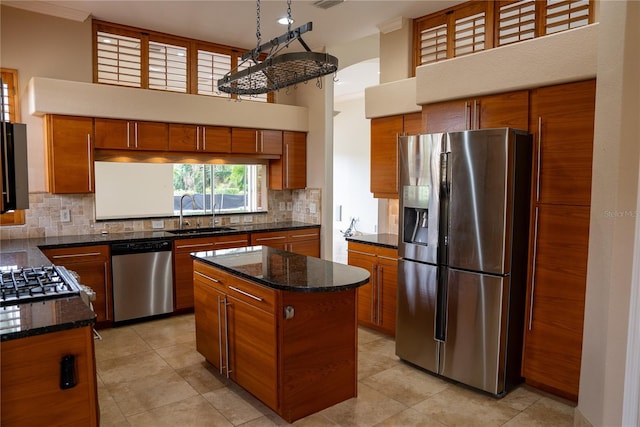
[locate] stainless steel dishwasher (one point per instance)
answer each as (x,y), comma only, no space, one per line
(142,279)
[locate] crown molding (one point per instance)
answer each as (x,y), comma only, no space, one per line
(49,9)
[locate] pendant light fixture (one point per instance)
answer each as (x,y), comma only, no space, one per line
(277,71)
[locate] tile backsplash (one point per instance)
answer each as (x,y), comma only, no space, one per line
(46,216)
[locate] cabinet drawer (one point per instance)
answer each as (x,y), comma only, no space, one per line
(210,276)
(251,293)
(268,238)
(304,234)
(77,254)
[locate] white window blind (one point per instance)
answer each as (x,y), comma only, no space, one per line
(433,44)
(469,34)
(212,67)
(167,67)
(516,22)
(118,59)
(565,14)
(6,109)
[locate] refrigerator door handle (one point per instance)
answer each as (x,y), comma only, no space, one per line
(441,307)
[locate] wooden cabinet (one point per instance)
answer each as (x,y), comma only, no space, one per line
(502,110)
(562,122)
(93,266)
(204,139)
(116,134)
(69,154)
(304,241)
(183,263)
(238,317)
(290,170)
(295,351)
(384,151)
(254,141)
(31,394)
(377,299)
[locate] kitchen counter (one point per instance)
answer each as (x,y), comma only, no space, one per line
(26,252)
(382,240)
(283,270)
(41,317)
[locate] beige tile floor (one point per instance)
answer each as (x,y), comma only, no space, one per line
(150,374)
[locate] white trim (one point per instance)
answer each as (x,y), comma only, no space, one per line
(49,9)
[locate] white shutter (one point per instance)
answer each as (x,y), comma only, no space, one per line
(433,44)
(167,67)
(516,22)
(118,59)
(469,34)
(565,14)
(212,67)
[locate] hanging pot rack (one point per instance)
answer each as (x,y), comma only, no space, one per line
(277,71)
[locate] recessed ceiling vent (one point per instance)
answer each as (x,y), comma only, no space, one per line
(326,4)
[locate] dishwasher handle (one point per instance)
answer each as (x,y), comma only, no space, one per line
(126,248)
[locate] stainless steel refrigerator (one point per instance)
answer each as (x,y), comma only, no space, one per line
(463,240)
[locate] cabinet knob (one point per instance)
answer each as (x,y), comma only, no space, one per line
(289,312)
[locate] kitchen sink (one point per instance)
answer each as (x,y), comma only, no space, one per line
(200,230)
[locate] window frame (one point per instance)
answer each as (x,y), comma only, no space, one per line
(146,36)
(10,77)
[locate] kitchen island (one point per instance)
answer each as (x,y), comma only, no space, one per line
(281,325)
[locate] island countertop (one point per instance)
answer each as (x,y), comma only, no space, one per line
(283,270)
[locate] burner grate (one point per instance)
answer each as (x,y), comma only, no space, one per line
(30,284)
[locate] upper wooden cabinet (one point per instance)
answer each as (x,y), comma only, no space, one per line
(289,172)
(254,141)
(69,142)
(116,134)
(502,110)
(384,151)
(562,121)
(194,138)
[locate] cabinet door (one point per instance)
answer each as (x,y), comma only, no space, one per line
(113,134)
(270,142)
(553,336)
(273,239)
(253,341)
(290,170)
(93,266)
(69,154)
(562,122)
(449,116)
(215,139)
(208,319)
(244,141)
(384,156)
(388,285)
(305,242)
(183,137)
(412,124)
(152,136)
(366,299)
(503,110)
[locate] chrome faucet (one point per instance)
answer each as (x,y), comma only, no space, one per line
(195,205)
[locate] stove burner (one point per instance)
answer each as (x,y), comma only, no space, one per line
(31,284)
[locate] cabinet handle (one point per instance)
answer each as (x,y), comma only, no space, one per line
(261,141)
(208,277)
(387,258)
(264,239)
(539,159)
(231,241)
(297,236)
(245,293)
(197,138)
(256,141)
(286,165)
(199,245)
(476,114)
(219,335)
(397,161)
(107,313)
(467,115)
(204,138)
(226,334)
(89,151)
(135,130)
(373,286)
(359,252)
(76,255)
(128,135)
(533,270)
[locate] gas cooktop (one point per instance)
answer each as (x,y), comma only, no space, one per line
(32,284)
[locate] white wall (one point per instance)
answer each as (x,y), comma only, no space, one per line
(352,166)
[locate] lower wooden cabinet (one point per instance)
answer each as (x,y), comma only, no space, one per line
(377,299)
(93,265)
(305,241)
(183,263)
(296,364)
(31,394)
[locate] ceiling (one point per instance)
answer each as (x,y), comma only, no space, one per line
(234,22)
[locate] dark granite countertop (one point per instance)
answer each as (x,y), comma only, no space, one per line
(41,317)
(283,270)
(26,252)
(384,240)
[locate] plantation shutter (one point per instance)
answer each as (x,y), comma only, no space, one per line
(561,15)
(212,67)
(516,21)
(118,59)
(167,67)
